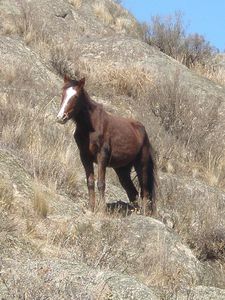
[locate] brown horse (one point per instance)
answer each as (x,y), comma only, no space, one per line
(109,141)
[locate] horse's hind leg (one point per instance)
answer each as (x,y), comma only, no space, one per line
(126,182)
(144,169)
(139,170)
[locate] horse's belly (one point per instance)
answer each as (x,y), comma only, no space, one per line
(121,159)
(124,148)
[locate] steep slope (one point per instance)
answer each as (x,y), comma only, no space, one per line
(46,227)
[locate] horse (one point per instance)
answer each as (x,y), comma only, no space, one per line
(109,141)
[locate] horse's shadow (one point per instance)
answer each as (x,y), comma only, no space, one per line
(121,208)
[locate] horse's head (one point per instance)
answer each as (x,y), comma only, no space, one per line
(72,90)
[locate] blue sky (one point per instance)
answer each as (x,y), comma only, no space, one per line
(203,17)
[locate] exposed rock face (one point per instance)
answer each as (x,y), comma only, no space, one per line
(73,281)
(202,293)
(189,192)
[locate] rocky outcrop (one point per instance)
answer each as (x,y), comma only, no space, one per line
(63,279)
(202,293)
(185,195)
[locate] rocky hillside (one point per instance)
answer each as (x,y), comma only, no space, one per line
(51,245)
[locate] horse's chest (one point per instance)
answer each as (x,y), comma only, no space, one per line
(94,144)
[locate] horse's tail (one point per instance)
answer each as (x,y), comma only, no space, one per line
(151,181)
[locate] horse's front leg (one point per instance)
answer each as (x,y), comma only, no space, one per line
(101,160)
(91,185)
(89,170)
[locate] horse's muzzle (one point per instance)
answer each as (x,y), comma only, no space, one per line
(62,120)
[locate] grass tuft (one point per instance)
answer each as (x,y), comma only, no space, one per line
(40,200)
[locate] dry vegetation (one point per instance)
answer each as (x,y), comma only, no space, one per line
(76,3)
(209,71)
(113,15)
(23,129)
(30,131)
(169,35)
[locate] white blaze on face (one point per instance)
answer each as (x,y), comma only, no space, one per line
(70,92)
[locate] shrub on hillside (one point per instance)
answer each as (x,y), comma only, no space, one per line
(168,34)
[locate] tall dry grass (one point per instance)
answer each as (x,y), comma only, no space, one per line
(29,127)
(112,14)
(216,75)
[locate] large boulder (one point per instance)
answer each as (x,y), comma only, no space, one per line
(63,279)
(201,293)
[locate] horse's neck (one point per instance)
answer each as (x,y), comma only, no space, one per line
(84,118)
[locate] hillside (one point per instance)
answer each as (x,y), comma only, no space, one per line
(51,245)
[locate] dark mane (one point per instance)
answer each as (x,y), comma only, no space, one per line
(70,83)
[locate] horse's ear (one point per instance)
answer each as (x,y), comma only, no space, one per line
(81,82)
(66,78)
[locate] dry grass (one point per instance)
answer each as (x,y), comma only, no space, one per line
(9,27)
(103,13)
(21,24)
(120,80)
(6,194)
(176,127)
(32,131)
(52,157)
(216,75)
(123,23)
(203,230)
(114,15)
(40,201)
(197,213)
(76,3)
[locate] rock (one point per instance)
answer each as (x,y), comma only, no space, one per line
(24,188)
(180,193)
(16,60)
(69,19)
(63,279)
(143,247)
(201,293)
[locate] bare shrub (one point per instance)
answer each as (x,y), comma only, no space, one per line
(174,105)
(204,232)
(198,215)
(168,34)
(211,245)
(60,60)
